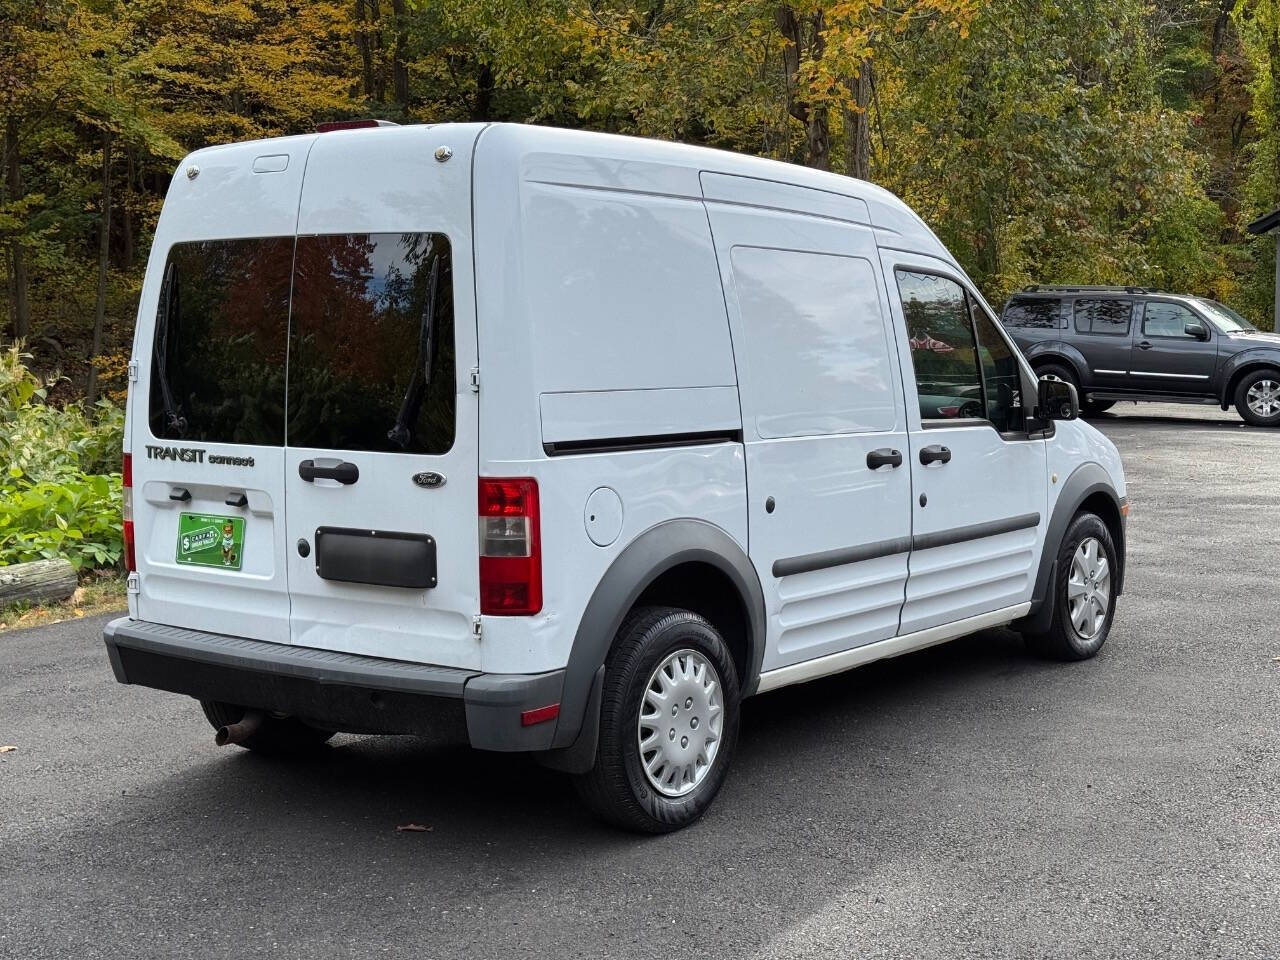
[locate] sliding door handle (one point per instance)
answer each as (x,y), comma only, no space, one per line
(344,472)
(935,454)
(884,457)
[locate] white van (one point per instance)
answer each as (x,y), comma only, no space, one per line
(576,440)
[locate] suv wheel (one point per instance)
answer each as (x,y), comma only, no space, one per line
(1084,598)
(277,735)
(1258,398)
(1091,408)
(668,722)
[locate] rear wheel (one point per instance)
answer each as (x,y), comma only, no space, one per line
(668,722)
(1084,596)
(276,735)
(1258,398)
(1091,408)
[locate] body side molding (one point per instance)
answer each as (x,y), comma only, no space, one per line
(883,649)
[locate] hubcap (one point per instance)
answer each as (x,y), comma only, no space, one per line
(1264,398)
(681,719)
(1089,589)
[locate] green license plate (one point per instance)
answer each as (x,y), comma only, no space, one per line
(205,541)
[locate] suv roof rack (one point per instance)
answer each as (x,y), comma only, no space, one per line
(1055,288)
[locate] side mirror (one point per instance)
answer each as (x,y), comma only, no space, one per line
(1057,400)
(1194,328)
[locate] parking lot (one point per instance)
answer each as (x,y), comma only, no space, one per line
(967,801)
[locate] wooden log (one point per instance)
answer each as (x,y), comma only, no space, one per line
(37,581)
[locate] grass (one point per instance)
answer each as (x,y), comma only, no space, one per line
(100,591)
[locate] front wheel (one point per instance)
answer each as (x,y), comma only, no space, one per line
(668,722)
(1091,408)
(1084,597)
(1258,398)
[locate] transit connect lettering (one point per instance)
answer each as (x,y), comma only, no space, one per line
(196,455)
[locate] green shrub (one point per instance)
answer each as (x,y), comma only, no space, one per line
(60,480)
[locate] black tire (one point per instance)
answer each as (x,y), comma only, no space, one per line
(617,788)
(1063,641)
(1246,384)
(1091,408)
(277,735)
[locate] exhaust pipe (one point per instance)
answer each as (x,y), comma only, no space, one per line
(241,731)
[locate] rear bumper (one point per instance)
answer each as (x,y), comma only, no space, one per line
(336,691)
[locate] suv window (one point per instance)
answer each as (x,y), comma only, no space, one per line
(1042,314)
(371,351)
(1167,320)
(1002,380)
(218,361)
(1103,316)
(943,351)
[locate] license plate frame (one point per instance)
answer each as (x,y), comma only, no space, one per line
(205,541)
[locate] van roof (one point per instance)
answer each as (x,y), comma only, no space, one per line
(658,166)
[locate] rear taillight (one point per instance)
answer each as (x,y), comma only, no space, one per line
(130,556)
(510,547)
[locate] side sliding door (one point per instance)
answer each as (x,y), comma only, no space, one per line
(979,479)
(824,426)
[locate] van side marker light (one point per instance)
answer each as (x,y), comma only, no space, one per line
(539,715)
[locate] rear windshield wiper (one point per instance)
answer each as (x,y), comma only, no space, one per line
(400,434)
(175,424)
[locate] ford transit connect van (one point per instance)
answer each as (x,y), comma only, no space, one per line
(576,441)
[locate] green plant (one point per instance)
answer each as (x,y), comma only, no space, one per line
(60,491)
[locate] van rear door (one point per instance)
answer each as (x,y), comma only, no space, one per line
(380,466)
(206,415)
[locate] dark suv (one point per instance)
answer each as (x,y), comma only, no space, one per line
(1129,343)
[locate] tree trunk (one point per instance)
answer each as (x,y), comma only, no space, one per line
(37,581)
(127,253)
(857,148)
(104,251)
(19,305)
(816,118)
(375,47)
(483,103)
(362,45)
(399,72)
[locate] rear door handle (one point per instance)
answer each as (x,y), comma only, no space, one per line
(935,454)
(884,457)
(344,472)
(1144,345)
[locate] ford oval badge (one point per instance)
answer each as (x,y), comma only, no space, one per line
(429,479)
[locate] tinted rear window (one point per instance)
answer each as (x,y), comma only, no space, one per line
(218,366)
(1031,313)
(1103,316)
(371,355)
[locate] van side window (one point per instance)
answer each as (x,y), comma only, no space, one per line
(817,351)
(1001,377)
(943,351)
(1103,316)
(218,360)
(371,350)
(1037,314)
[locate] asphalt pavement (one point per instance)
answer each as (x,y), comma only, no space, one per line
(966,801)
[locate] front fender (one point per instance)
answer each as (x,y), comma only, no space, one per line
(1253,357)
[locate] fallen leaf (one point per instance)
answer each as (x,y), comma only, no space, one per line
(412,828)
(7,749)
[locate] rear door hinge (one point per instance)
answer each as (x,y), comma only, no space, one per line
(133,371)
(475,379)
(477,627)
